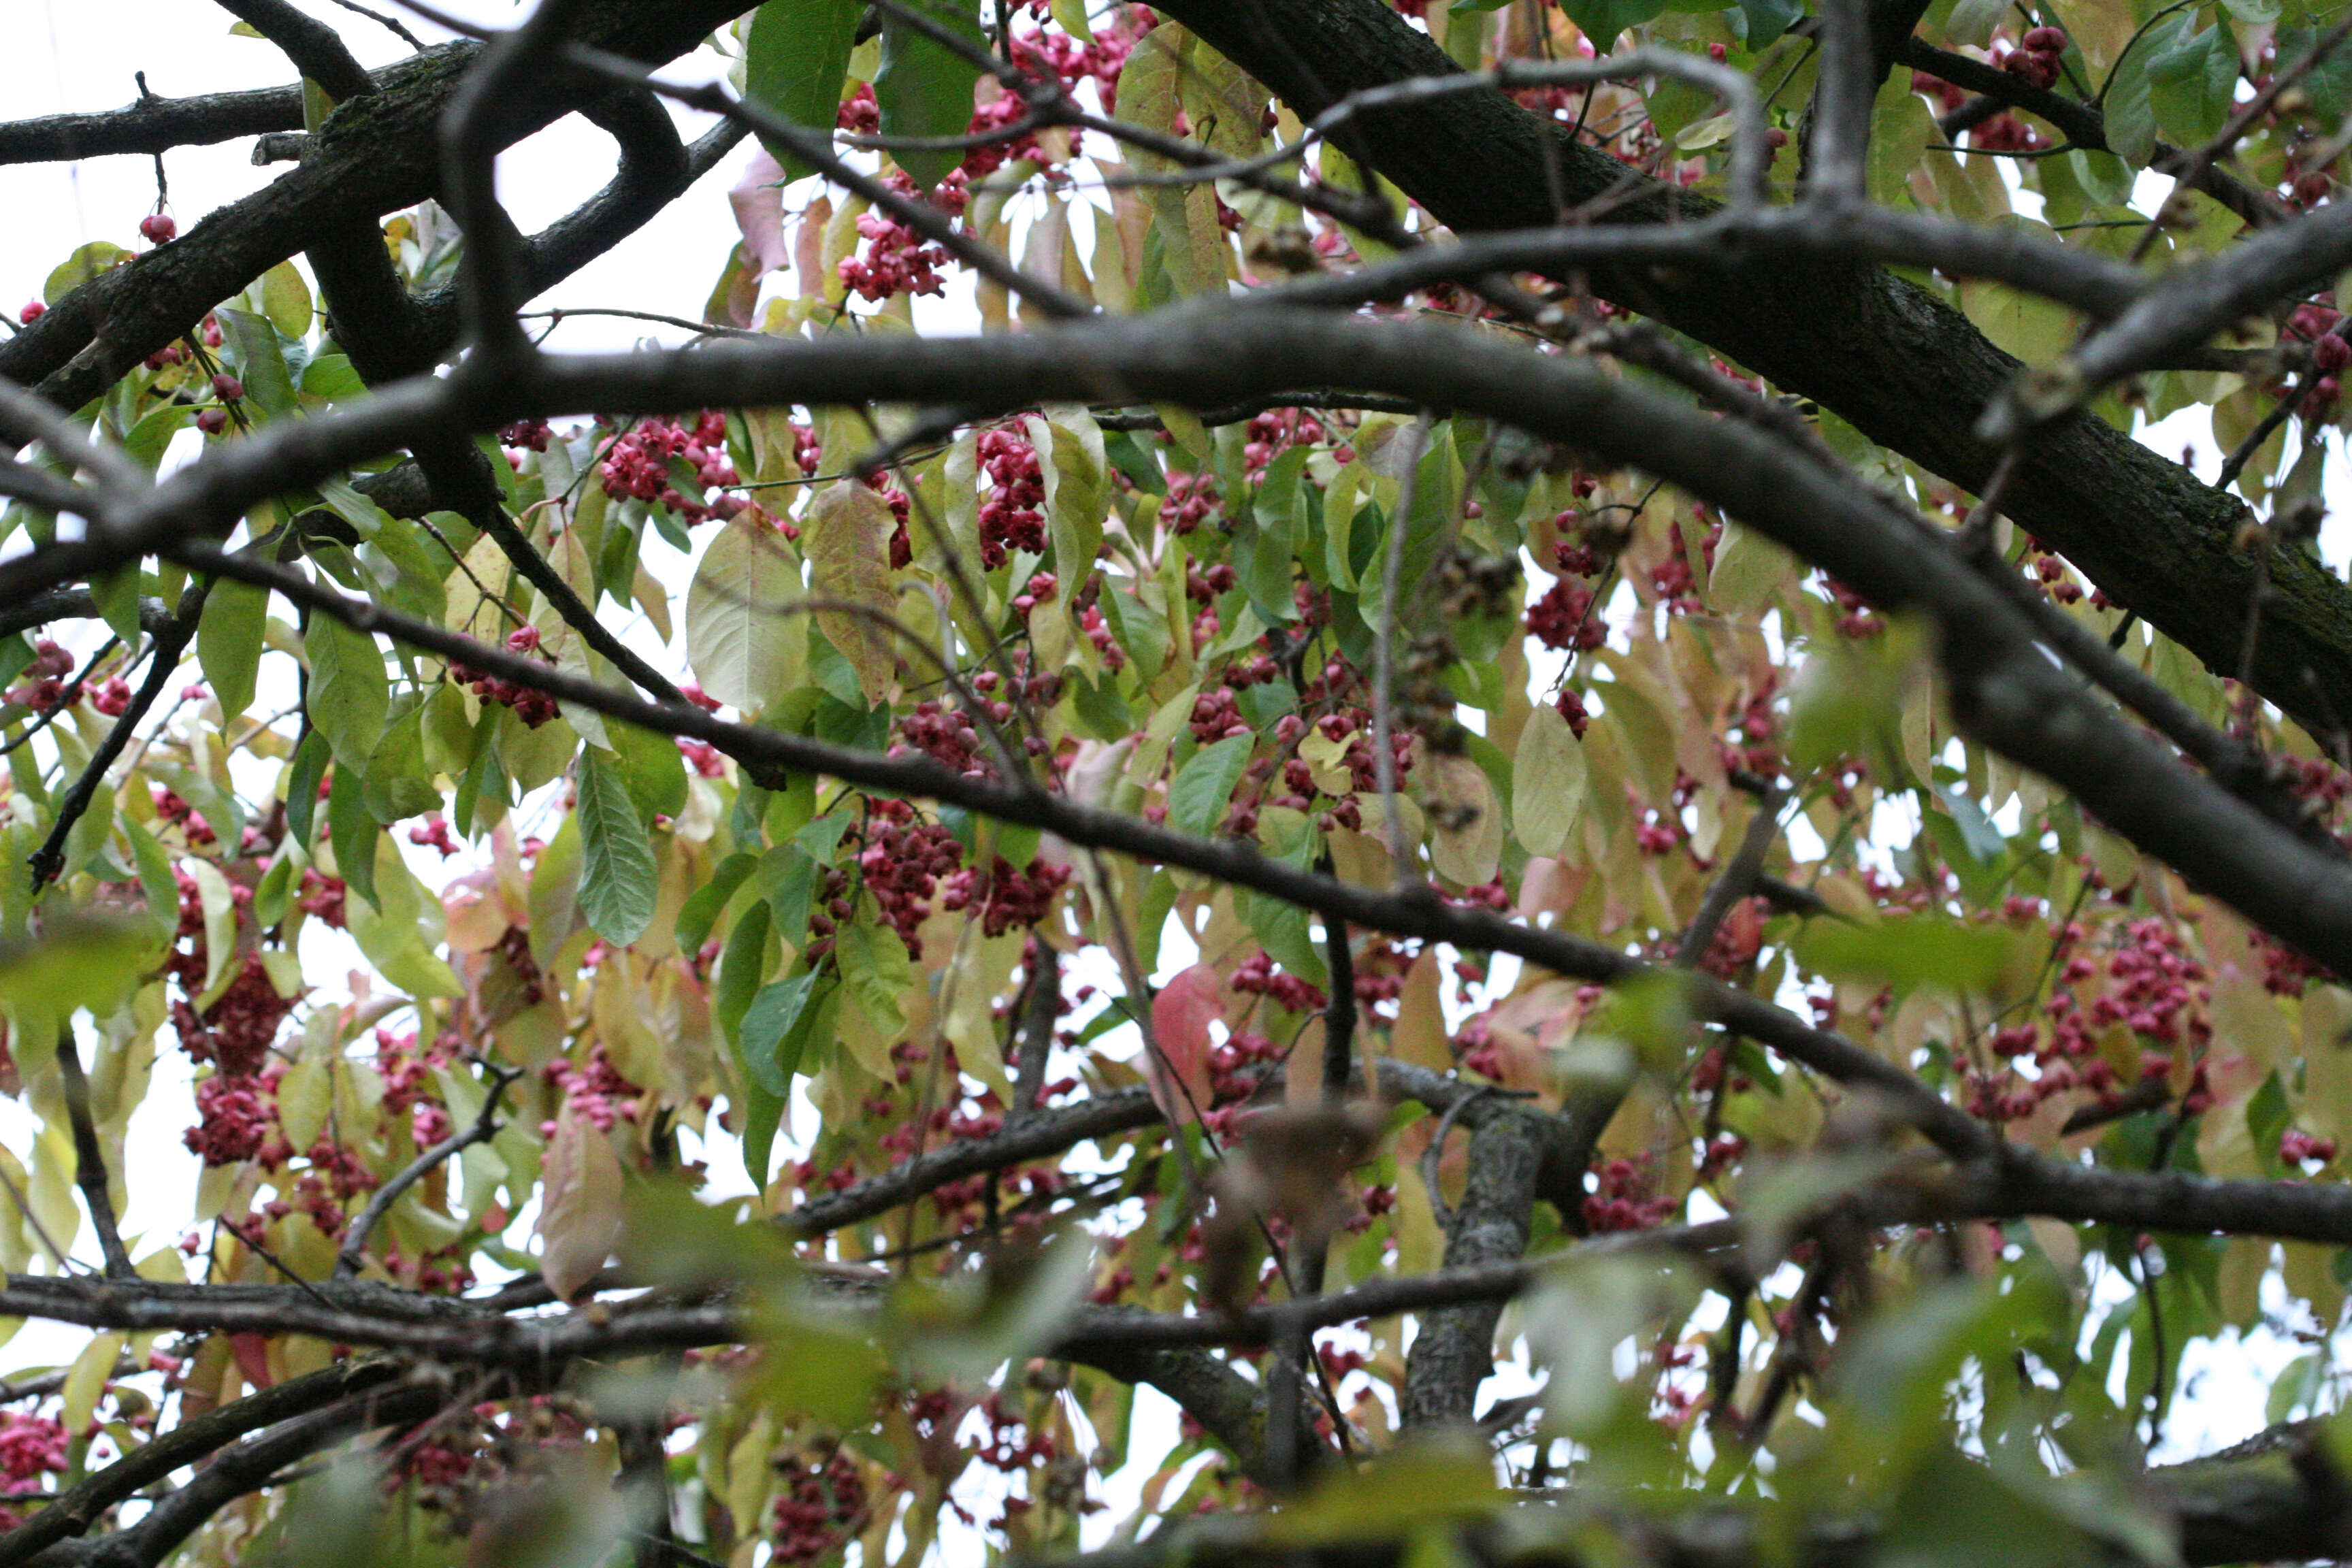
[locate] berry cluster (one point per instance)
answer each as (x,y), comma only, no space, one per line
(595,1090)
(638,466)
(234,1120)
(1010,514)
(1192,500)
(1620,1201)
(31,1446)
(1257,976)
(530,705)
(896,259)
(2037,58)
(1275,432)
(1009,895)
(902,863)
(822,1507)
(2152,987)
(527,435)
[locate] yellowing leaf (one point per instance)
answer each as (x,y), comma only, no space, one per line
(1548,783)
(746,646)
(1419,1035)
(847,537)
(580,1204)
(1466,825)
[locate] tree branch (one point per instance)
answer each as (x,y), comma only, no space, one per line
(317,50)
(89,1159)
(353,1251)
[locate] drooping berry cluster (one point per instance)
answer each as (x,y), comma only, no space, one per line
(530,705)
(898,260)
(638,466)
(46,684)
(1010,513)
(1009,895)
(902,863)
(822,1505)
(1624,1199)
(595,1090)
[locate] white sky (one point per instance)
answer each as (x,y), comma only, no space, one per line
(78,55)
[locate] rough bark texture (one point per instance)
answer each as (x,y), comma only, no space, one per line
(1455,1348)
(1891,358)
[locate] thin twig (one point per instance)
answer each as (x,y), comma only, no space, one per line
(353,1251)
(89,1160)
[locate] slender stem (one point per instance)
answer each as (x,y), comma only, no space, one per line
(89,1160)
(353,1251)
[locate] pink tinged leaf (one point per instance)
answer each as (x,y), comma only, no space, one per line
(757,198)
(1181,1016)
(580,1204)
(808,247)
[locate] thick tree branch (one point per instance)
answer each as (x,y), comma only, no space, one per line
(1453,1350)
(152,125)
(317,50)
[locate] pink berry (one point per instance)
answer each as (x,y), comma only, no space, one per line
(2331,354)
(212,421)
(157,228)
(33,311)
(2045,41)
(227,387)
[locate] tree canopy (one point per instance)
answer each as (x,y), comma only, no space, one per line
(1481,734)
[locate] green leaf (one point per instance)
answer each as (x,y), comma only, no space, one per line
(81,959)
(310,760)
(619,879)
(396,782)
(260,362)
(925,89)
(2191,82)
(846,536)
(705,904)
(774,1031)
(99,255)
(1909,951)
(350,697)
(651,767)
(1548,783)
(353,831)
(876,972)
(401,928)
(1204,786)
(795,60)
(286,300)
(1900,130)
(742,965)
(2130,112)
(1602,20)
(229,641)
(116,595)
